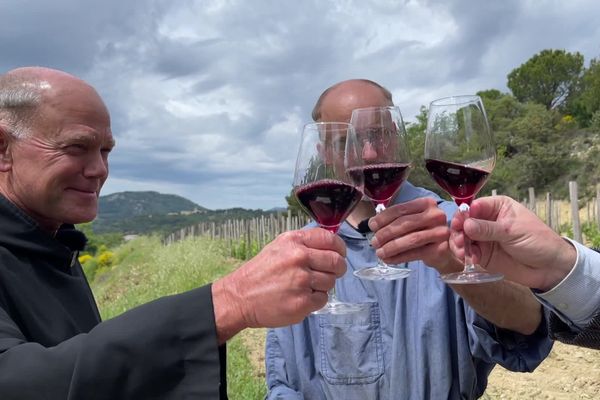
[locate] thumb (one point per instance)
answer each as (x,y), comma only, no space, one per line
(485,231)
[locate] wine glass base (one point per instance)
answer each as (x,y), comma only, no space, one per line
(339,307)
(465,278)
(382,274)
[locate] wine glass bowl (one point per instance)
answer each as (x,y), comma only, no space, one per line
(460,156)
(323,188)
(381,163)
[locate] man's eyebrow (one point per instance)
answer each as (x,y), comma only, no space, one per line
(85,138)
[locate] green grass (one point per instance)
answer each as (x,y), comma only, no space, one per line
(145,270)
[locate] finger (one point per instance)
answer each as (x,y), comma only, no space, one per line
(317,300)
(475,253)
(485,231)
(428,219)
(457,240)
(322,239)
(488,208)
(414,254)
(327,261)
(390,214)
(457,222)
(414,240)
(321,281)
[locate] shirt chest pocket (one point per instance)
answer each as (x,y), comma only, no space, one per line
(351,349)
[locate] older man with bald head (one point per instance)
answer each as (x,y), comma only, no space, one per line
(418,338)
(55,140)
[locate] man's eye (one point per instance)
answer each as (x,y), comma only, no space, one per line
(76,147)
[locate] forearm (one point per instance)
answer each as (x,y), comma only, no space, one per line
(505,304)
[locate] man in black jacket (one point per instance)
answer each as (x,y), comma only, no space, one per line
(55,139)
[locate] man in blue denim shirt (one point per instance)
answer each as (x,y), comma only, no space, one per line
(419,338)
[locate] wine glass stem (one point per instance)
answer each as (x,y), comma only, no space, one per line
(382,265)
(469,266)
(331,297)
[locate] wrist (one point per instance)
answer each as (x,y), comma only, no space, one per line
(229,317)
(566,259)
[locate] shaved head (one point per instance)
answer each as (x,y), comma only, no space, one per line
(23,90)
(354,87)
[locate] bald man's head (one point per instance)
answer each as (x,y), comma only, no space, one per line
(23,90)
(353,93)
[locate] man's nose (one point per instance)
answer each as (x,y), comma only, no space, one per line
(96,167)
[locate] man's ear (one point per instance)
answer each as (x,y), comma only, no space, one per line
(5,149)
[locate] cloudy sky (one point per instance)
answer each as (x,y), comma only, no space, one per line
(208,97)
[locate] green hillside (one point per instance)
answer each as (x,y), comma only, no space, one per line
(133,204)
(153,212)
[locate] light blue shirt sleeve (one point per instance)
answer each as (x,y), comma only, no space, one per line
(576,299)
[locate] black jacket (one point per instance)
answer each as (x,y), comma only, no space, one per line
(53,345)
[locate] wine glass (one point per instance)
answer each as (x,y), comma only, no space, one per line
(323,188)
(382,164)
(460,156)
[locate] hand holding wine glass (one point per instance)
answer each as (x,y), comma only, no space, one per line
(323,188)
(382,163)
(460,155)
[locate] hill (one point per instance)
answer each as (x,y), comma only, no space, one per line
(133,204)
(152,212)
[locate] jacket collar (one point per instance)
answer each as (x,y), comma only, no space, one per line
(21,234)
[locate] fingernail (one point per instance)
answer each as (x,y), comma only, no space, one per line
(375,242)
(380,253)
(373,225)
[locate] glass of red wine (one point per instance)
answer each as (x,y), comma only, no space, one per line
(460,155)
(382,165)
(323,188)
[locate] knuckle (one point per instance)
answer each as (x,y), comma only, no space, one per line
(430,202)
(298,255)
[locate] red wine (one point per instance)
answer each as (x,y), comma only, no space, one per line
(382,181)
(328,201)
(460,181)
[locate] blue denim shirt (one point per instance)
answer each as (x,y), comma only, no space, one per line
(417,340)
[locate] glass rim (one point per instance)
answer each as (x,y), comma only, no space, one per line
(394,107)
(329,123)
(455,100)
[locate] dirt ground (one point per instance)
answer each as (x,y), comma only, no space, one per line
(568,373)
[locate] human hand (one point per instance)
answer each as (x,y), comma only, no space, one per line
(415,230)
(508,238)
(287,280)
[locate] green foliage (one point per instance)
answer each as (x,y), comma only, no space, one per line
(416,143)
(96,241)
(243,250)
(531,147)
(586,101)
(548,78)
(591,234)
(148,270)
(293,203)
(595,122)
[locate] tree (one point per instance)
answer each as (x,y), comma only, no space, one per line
(416,142)
(586,101)
(547,78)
(293,204)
